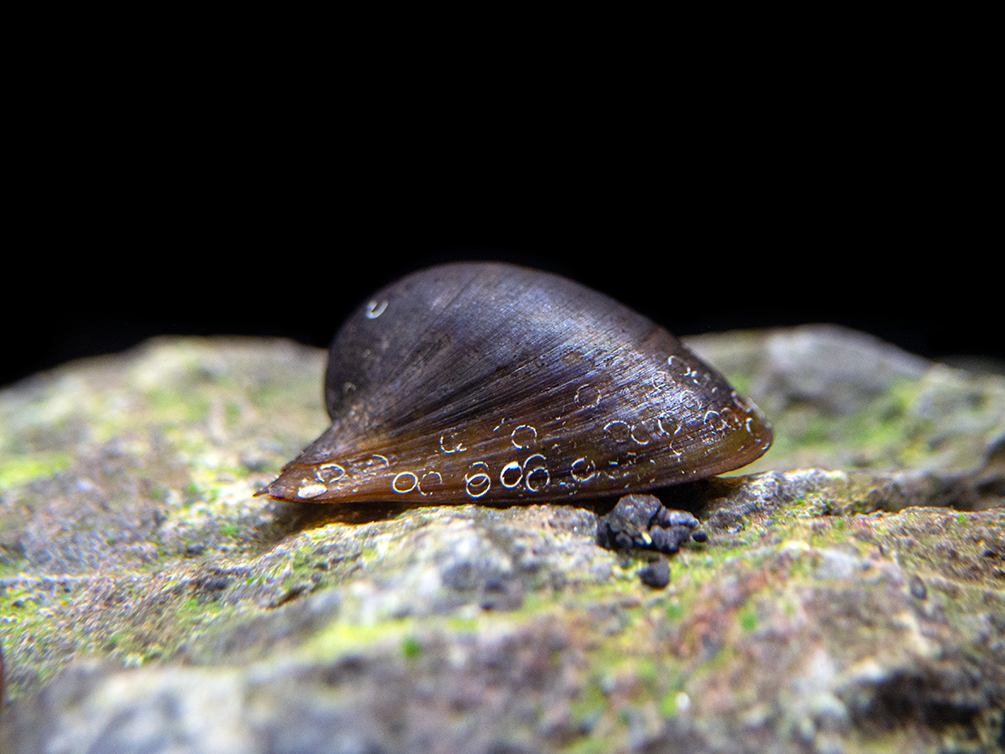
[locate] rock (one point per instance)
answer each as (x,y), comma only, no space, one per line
(843,400)
(656,574)
(852,582)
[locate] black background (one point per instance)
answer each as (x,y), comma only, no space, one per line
(207,226)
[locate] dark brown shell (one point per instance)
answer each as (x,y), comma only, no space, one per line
(493,383)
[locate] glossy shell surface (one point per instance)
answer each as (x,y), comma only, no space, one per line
(489,383)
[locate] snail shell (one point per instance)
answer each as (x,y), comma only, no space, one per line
(494,383)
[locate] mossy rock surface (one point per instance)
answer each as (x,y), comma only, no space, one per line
(850,596)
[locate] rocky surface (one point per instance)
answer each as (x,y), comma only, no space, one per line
(850,595)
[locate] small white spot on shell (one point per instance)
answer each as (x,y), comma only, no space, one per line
(375,309)
(618,430)
(511,475)
(714,421)
(666,424)
(538,479)
(588,396)
(429,482)
(330,472)
(450,442)
(689,400)
(583,469)
(477,481)
(404,482)
(523,436)
(678,367)
(534,461)
(311,489)
(640,435)
(741,402)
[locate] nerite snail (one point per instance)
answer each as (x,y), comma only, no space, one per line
(488,383)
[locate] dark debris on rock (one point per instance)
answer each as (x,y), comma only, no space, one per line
(642,522)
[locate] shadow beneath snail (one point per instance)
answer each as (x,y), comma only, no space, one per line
(291,518)
(696,498)
(702,497)
(295,517)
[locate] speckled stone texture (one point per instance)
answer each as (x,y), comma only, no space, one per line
(849,597)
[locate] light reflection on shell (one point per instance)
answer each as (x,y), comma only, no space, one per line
(497,383)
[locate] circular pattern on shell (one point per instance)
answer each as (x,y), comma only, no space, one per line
(494,383)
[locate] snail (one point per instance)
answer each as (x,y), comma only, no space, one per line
(492,383)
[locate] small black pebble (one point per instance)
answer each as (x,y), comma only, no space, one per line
(622,541)
(673,538)
(917,588)
(664,541)
(656,575)
(660,539)
(643,522)
(667,517)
